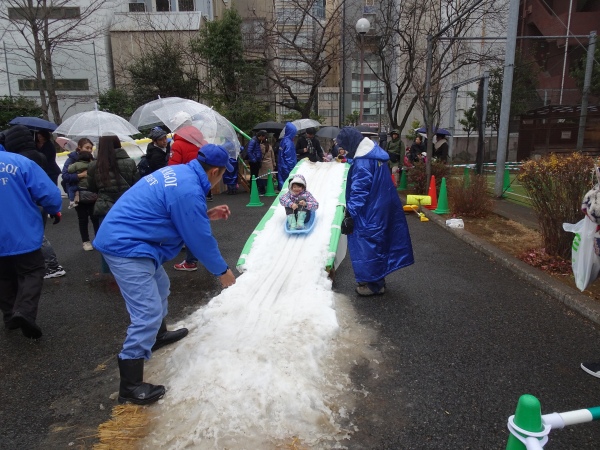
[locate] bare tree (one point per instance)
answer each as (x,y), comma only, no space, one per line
(37,31)
(301,47)
(399,43)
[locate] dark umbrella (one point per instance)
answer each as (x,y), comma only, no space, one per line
(269,127)
(328,132)
(366,131)
(34,123)
(435,131)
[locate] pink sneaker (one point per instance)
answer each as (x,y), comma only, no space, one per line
(186,266)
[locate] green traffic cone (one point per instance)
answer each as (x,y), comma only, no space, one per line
(506,184)
(467,177)
(254,198)
(528,416)
(442,206)
(270,188)
(403,186)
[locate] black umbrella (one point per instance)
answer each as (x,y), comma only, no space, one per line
(328,132)
(269,127)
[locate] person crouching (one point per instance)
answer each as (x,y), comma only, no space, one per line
(143,230)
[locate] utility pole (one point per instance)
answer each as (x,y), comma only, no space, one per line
(509,65)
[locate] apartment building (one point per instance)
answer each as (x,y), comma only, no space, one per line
(107,36)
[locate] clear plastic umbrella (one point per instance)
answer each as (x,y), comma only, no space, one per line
(94,124)
(302,124)
(186,119)
(144,116)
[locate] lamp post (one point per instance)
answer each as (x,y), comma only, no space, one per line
(362,28)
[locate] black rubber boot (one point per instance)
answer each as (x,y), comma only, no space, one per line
(165,337)
(132,388)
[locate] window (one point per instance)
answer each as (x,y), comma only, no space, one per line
(60,84)
(186,5)
(163,5)
(52,13)
(328,112)
(137,7)
(329,96)
(289,15)
(253,34)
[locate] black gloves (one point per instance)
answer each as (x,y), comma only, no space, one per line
(347,225)
(56,218)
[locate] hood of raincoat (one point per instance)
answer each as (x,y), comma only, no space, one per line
(349,139)
(290,130)
(358,146)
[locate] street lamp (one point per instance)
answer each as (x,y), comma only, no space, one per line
(362,28)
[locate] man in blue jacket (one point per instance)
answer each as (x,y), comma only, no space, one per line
(23,187)
(286,157)
(147,227)
(378,237)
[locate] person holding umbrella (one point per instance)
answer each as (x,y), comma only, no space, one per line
(286,157)
(440,150)
(182,152)
(46,147)
(158,151)
(308,146)
(146,228)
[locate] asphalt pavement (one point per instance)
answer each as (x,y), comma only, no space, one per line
(458,338)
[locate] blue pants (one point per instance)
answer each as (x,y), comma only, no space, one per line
(189,256)
(145,289)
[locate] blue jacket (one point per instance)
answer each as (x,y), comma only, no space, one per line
(23,186)
(380,243)
(71,179)
(158,214)
(231,178)
(286,157)
(253,150)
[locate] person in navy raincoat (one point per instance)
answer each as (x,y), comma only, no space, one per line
(286,157)
(378,237)
(143,230)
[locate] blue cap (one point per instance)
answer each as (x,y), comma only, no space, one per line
(215,155)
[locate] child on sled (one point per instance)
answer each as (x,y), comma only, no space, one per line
(298,203)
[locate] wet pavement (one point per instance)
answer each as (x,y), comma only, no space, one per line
(458,337)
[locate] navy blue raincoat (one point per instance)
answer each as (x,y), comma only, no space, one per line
(380,243)
(286,157)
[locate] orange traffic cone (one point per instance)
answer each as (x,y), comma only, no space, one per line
(432,193)
(394,180)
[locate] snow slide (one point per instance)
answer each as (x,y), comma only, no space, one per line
(255,370)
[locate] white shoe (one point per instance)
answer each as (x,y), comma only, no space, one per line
(87,246)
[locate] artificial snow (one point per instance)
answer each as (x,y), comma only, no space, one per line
(259,367)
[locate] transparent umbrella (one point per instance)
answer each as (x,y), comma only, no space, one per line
(94,124)
(186,119)
(144,116)
(302,124)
